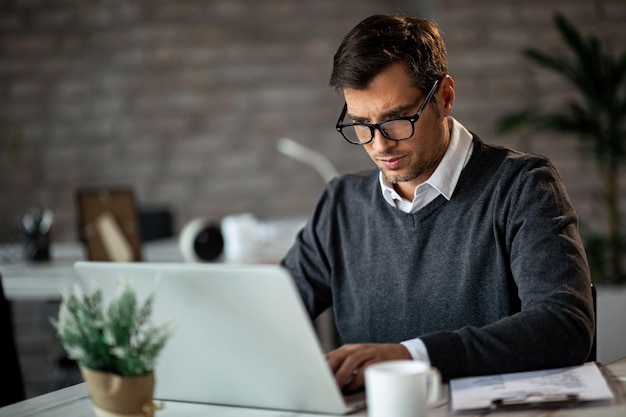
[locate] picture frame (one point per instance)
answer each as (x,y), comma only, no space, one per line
(108,223)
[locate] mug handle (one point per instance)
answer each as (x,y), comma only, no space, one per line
(433,384)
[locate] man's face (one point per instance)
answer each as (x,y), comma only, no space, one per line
(408,163)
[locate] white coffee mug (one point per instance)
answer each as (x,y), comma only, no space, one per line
(401,388)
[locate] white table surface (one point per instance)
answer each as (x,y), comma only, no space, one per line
(267,242)
(46,280)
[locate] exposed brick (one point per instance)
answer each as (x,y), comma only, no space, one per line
(185,100)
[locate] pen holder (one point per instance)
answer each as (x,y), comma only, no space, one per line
(37,246)
(36,225)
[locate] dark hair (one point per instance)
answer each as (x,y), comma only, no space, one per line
(382,40)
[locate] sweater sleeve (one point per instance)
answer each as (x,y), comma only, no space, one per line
(306,260)
(547,262)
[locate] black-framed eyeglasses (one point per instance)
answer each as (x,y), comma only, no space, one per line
(400,128)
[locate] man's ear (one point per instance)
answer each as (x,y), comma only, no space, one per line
(447,94)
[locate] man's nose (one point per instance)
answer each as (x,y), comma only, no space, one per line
(380,143)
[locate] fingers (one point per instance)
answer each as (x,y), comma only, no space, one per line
(348,362)
(356,380)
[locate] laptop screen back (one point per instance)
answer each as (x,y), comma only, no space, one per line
(241,335)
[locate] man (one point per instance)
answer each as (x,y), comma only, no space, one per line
(452,250)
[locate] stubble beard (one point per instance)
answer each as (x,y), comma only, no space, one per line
(414,172)
(417,169)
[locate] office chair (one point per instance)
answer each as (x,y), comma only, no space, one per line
(593,353)
(11,372)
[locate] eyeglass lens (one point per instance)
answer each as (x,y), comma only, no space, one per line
(395,129)
(392,129)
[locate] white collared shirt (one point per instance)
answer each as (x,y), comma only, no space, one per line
(443,181)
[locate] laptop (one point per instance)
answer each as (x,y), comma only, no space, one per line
(241,335)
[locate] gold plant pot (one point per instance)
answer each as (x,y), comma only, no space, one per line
(119,396)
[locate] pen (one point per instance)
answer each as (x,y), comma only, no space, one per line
(534,401)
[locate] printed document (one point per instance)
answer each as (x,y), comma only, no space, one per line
(533,389)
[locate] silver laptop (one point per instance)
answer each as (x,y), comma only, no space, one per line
(241,335)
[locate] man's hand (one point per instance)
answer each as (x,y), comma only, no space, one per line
(348,362)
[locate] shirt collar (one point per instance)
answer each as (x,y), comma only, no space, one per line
(447,173)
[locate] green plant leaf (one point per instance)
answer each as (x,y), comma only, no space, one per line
(119,338)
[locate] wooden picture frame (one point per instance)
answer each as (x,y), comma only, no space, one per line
(108,224)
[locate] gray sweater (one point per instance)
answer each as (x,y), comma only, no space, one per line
(494,280)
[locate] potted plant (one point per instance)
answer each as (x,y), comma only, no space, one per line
(115,346)
(597,116)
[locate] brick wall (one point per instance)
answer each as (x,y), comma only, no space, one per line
(184,100)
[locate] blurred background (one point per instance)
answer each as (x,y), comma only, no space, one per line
(184,101)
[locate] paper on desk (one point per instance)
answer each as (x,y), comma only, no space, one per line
(477,393)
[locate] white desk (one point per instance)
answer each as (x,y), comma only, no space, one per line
(74,402)
(45,280)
